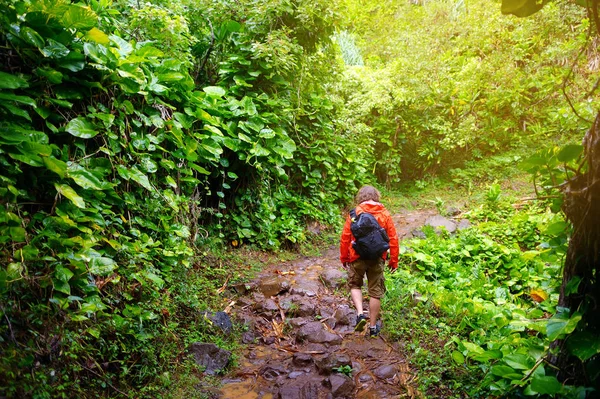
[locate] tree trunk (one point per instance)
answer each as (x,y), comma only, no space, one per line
(582,208)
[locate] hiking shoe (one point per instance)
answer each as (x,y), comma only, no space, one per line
(361,322)
(374,331)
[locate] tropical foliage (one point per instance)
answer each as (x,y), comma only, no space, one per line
(141,142)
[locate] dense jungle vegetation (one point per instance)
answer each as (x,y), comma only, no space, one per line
(150,150)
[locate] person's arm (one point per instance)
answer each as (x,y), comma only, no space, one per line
(345,242)
(390,228)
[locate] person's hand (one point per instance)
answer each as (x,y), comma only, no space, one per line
(393,268)
(345,265)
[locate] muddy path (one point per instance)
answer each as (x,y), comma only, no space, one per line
(301,341)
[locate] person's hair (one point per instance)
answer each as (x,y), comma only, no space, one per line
(367,193)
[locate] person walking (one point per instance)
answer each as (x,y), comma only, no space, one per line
(368,201)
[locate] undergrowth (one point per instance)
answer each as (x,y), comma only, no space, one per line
(476,312)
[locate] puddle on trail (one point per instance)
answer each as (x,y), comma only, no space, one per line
(243,390)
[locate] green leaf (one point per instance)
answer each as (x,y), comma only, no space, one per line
(55,49)
(31,36)
(86,179)
(521,8)
(519,361)
(214,91)
(52,75)
(62,273)
(569,152)
(584,345)
(61,286)
(97,36)
(458,357)
(10,81)
(81,127)
(18,99)
(79,17)
(17,233)
(102,266)
(556,228)
(68,192)
(561,324)
(545,385)
(136,175)
(248,105)
(55,165)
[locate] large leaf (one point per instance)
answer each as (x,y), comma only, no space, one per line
(561,324)
(55,49)
(97,36)
(136,175)
(102,266)
(56,165)
(86,178)
(545,385)
(584,345)
(214,91)
(10,81)
(68,192)
(79,17)
(521,8)
(18,99)
(81,127)
(569,152)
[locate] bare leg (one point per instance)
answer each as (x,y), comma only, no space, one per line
(357,299)
(374,309)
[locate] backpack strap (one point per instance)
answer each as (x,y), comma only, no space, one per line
(353,214)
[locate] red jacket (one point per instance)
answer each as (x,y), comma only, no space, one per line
(348,254)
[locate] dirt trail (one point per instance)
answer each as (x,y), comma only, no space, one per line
(301,327)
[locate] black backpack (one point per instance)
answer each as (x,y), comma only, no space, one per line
(371,240)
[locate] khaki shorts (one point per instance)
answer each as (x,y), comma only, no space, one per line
(374,271)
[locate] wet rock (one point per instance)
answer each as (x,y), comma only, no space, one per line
(266,306)
(272,286)
(297,322)
(305,308)
(316,348)
(272,372)
(325,312)
(418,233)
(315,332)
(257,297)
(295,374)
(344,316)
(326,364)
(333,278)
(221,320)
(330,323)
(341,386)
(300,390)
(309,292)
(301,359)
(463,224)
(327,300)
(243,301)
(243,288)
(438,221)
(386,371)
(210,356)
(249,337)
(268,340)
(452,211)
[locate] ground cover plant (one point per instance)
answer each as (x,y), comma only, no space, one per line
(149,149)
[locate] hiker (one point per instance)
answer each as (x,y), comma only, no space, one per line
(368,198)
